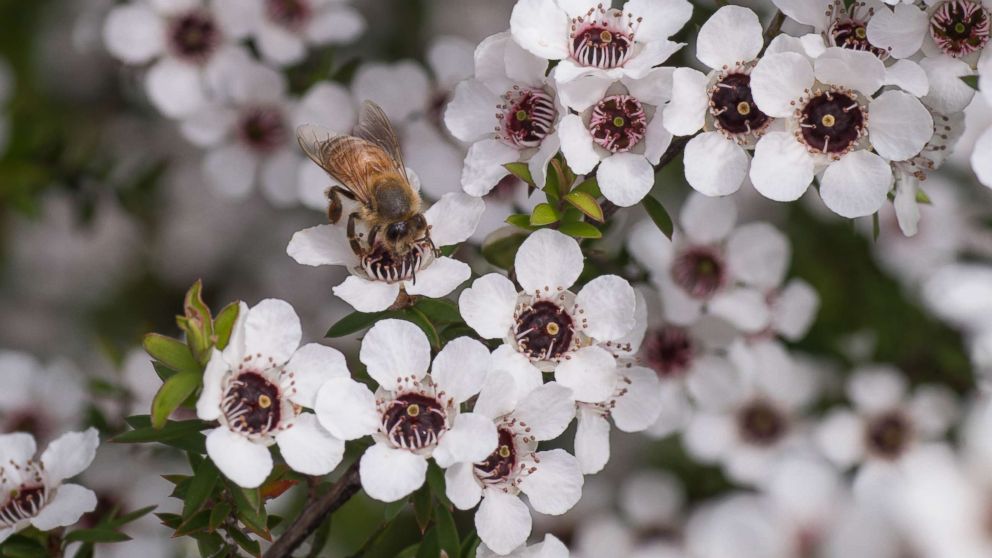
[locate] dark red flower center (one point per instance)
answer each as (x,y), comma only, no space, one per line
(414,421)
(700,270)
(252,404)
(194,36)
(960,27)
(262,128)
(526,117)
(832,122)
(22,503)
(544,330)
(733,108)
(761,423)
(888,434)
(291,14)
(668,351)
(618,123)
(500,463)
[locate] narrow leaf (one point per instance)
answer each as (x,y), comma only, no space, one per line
(439,310)
(170,352)
(218,514)
(580,229)
(543,214)
(96,535)
(586,204)
(659,215)
(422,507)
(354,322)
(173,392)
(521,171)
(521,220)
(224,325)
(447,532)
(201,487)
(589,186)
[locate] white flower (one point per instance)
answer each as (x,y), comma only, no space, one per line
(509,112)
(619,127)
(590,39)
(553,328)
(550,547)
(413,415)
(33,493)
(551,479)
(835,126)
(40,400)
(886,422)
(980,161)
(256,389)
(717,161)
(185,42)
(954,28)
(374,286)
(752,426)
(283,29)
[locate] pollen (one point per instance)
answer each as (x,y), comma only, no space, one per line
(618,121)
(828,120)
(264,401)
(861,33)
(552,328)
(743,108)
(413,410)
(504,451)
(521,115)
(605,36)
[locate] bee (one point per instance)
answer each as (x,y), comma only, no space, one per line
(370,167)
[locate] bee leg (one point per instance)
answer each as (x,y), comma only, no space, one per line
(334,209)
(356,245)
(373,233)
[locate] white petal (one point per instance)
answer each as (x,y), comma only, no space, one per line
(470,115)
(461,486)
(484,165)
(339,24)
(498,395)
(321,245)
(328,105)
(376,82)
(576,144)
(856,185)
(899,125)
(308,448)
(272,330)
(70,503)
(471,439)
(230,170)
(539,161)
(278,177)
(579,87)
(238,19)
(541,27)
(640,406)
(346,409)
(241,460)
(778,80)
(625,178)
(133,33)
(391,474)
(548,260)
(460,368)
(758,254)
(743,307)
(650,247)
(208,405)
(856,69)
(933,409)
(556,485)
(782,169)
(395,349)
(174,87)
(607,303)
(502,521)
(454,217)
(590,373)
(794,309)
(909,76)
(440,278)
(685,113)
(208,126)
(715,383)
(877,388)
(948,94)
(367,296)
(526,376)
(661,18)
(546,411)
(524,67)
(656,140)
(680,308)
(715,165)
(981,163)
(280,46)
(707,220)
(654,87)
(311,366)
(839,437)
(731,35)
(487,306)
(708,437)
(807,12)
(899,30)
(451,59)
(69,454)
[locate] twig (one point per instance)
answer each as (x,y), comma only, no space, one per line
(774,26)
(314,514)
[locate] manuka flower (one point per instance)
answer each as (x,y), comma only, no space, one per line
(257,388)
(32,492)
(554,328)
(413,415)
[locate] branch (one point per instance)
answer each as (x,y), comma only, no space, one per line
(314,514)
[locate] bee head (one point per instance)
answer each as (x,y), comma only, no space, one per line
(402,234)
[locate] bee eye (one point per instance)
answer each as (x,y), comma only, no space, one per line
(396,230)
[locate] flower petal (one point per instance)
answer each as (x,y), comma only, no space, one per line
(607,304)
(859,70)
(856,185)
(208,404)
(440,278)
(715,165)
(321,245)
(794,309)
(948,93)
(875,389)
(660,18)
(241,460)
(487,306)
(556,484)
(707,220)
(899,125)
(782,169)
(470,115)
(541,27)
(591,374)
(461,486)
(548,261)
(484,165)
(576,144)
(133,33)
(758,254)
(311,366)
(390,474)
(460,368)
(308,448)
(908,76)
(335,24)
(346,409)
(272,331)
(395,349)
(174,87)
(69,454)
(807,12)
(981,163)
(70,503)
(546,411)
(743,307)
(328,105)
(230,171)
(899,30)
(625,178)
(731,35)
(639,407)
(454,217)
(471,439)
(367,296)
(686,112)
(502,521)
(778,80)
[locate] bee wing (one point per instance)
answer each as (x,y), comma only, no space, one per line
(350,160)
(373,125)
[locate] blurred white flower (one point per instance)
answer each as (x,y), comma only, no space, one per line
(550,547)
(42,400)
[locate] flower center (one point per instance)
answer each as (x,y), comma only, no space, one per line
(960,27)
(761,424)
(23,502)
(601,39)
(887,435)
(250,404)
(385,264)
(733,109)
(194,36)
(848,28)
(618,123)
(414,421)
(832,122)
(700,271)
(500,463)
(262,128)
(544,330)
(291,14)
(668,351)
(526,117)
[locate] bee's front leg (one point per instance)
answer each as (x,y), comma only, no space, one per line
(334,194)
(356,244)
(373,233)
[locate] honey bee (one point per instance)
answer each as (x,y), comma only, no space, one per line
(370,166)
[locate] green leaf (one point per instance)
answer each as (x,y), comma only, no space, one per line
(85,551)
(210,545)
(972,81)
(197,323)
(429,547)
(875,228)
(564,177)
(173,392)
(521,171)
(409,552)
(201,487)
(580,229)
(224,325)
(355,322)
(122,520)
(922,197)
(470,545)
(250,510)
(199,521)
(393,509)
(544,214)
(23,547)
(521,220)
(435,479)
(218,514)
(659,215)
(171,431)
(500,247)
(439,310)
(589,186)
(447,532)
(170,352)
(96,535)
(250,545)
(586,204)
(422,507)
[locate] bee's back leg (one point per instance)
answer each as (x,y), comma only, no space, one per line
(356,244)
(334,208)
